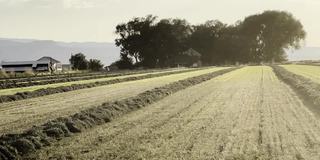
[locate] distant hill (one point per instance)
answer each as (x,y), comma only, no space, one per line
(305,53)
(28,49)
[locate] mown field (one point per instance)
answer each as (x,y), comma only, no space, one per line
(308,71)
(95,79)
(249,112)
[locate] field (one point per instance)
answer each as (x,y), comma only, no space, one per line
(32,88)
(19,115)
(251,112)
(308,71)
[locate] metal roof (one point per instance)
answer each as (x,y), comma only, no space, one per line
(42,60)
(50,59)
(18,62)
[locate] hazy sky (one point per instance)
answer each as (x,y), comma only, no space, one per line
(95,20)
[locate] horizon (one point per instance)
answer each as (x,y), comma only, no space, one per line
(63,20)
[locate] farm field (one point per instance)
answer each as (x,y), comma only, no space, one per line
(308,71)
(244,114)
(20,115)
(7,83)
(12,91)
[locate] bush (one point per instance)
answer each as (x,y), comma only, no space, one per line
(3,74)
(79,62)
(12,74)
(28,73)
(124,63)
(95,65)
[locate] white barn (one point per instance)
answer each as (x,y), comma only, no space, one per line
(44,64)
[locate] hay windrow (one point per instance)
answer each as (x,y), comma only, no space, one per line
(61,78)
(306,88)
(61,89)
(15,146)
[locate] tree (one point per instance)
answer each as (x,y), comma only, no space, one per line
(134,36)
(204,39)
(125,62)
(270,33)
(259,38)
(151,43)
(170,39)
(95,65)
(78,61)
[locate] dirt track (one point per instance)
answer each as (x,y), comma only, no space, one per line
(245,114)
(21,115)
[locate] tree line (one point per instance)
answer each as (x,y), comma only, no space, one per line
(264,37)
(79,62)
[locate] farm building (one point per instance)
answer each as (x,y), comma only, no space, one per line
(66,67)
(189,58)
(44,64)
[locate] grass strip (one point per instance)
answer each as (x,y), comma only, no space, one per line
(61,89)
(34,81)
(16,146)
(308,90)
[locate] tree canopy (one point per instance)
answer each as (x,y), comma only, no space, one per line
(161,43)
(95,65)
(78,61)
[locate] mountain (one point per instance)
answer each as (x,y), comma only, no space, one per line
(29,49)
(305,53)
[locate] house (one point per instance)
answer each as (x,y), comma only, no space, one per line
(44,64)
(189,58)
(48,63)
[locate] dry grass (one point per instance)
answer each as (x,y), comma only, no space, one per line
(40,136)
(308,89)
(308,71)
(245,114)
(12,91)
(61,89)
(3,74)
(20,115)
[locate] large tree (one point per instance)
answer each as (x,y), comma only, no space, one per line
(151,43)
(134,36)
(270,33)
(259,38)
(78,61)
(204,39)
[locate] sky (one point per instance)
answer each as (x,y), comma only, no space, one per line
(95,20)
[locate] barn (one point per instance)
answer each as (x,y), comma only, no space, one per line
(44,64)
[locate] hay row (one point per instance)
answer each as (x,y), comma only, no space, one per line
(15,146)
(34,81)
(306,88)
(61,89)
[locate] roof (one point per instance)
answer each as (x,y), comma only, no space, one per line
(17,62)
(191,52)
(45,58)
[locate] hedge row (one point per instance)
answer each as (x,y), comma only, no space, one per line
(307,89)
(33,81)
(48,91)
(15,146)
